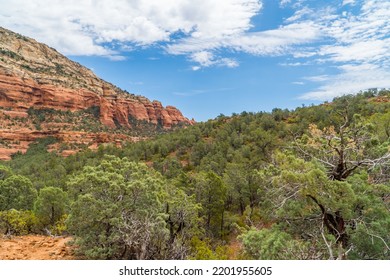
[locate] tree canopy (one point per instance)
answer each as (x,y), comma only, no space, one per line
(309,183)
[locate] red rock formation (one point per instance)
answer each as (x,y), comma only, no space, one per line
(22,93)
(33,75)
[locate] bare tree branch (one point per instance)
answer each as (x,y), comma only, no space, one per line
(328,245)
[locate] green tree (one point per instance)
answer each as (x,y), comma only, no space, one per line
(5,172)
(382,125)
(122,210)
(17,192)
(235,178)
(301,200)
(242,186)
(344,149)
(51,205)
(18,222)
(274,244)
(211,193)
(182,221)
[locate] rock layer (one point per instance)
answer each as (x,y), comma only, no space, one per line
(22,93)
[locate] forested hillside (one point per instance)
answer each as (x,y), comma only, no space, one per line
(312,183)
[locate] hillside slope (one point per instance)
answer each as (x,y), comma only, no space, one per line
(250,186)
(43,93)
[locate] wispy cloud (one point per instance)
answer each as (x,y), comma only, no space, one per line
(207,59)
(136,83)
(116,57)
(205,27)
(201,91)
(359,49)
(275,42)
(209,33)
(346,2)
(320,78)
(294,64)
(351,79)
(88,27)
(203,58)
(284,3)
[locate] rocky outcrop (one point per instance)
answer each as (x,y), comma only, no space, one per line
(21,93)
(33,75)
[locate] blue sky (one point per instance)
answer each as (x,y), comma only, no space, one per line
(208,57)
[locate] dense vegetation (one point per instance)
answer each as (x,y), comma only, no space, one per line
(313,183)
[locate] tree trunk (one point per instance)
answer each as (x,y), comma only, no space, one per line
(334,223)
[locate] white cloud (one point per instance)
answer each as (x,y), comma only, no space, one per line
(202,91)
(275,42)
(210,32)
(320,78)
(353,78)
(359,51)
(204,58)
(294,64)
(228,62)
(346,2)
(299,14)
(207,59)
(205,26)
(83,27)
(278,41)
(116,57)
(358,46)
(284,2)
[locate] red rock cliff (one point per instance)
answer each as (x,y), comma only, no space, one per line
(33,75)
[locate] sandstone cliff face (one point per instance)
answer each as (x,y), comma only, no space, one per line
(33,75)
(21,93)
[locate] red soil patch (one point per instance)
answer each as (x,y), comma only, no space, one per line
(35,247)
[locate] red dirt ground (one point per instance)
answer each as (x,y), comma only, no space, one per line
(35,247)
